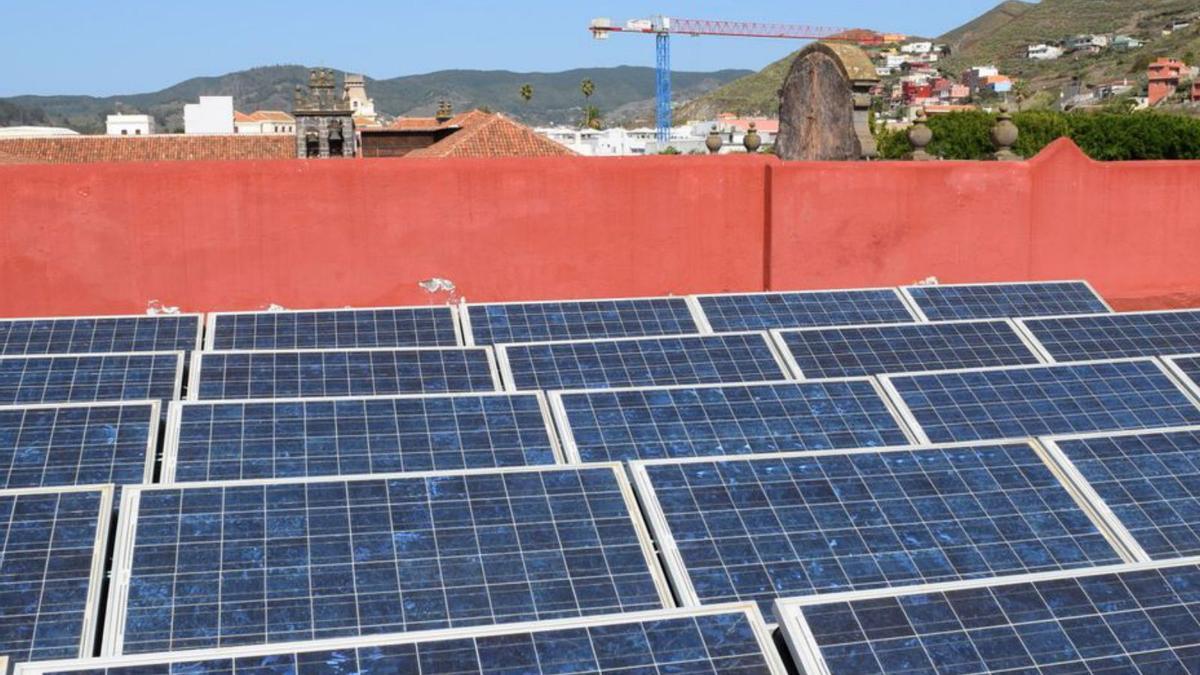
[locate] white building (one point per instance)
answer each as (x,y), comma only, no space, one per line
(35,132)
(129,125)
(917,48)
(212,115)
(354,90)
(264,122)
(1043,52)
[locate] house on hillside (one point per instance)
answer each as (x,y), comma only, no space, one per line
(1126,43)
(1164,75)
(1088,42)
(1043,52)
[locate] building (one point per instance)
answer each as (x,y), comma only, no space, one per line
(1043,52)
(1113,89)
(79,149)
(264,122)
(1126,43)
(471,134)
(917,48)
(354,91)
(129,125)
(1000,84)
(1195,95)
(1164,75)
(324,121)
(1087,42)
(35,132)
(975,77)
(212,115)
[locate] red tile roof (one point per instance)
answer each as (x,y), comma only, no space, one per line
(483,134)
(163,147)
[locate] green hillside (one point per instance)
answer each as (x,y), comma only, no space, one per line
(985,24)
(624,90)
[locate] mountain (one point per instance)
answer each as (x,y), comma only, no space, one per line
(623,93)
(999,37)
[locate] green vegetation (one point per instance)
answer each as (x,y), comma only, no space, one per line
(1107,136)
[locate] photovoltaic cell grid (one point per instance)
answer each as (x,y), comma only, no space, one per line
(90,377)
(759,311)
(494,324)
(763,528)
(48,570)
(602,426)
(717,643)
(874,350)
(1043,400)
(100,334)
(992,301)
(736,357)
(1189,368)
(1136,621)
(334,329)
(1112,336)
(210,566)
(279,439)
(1150,481)
(47,446)
(365,372)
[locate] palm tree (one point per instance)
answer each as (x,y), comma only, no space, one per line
(588,88)
(591,116)
(527,92)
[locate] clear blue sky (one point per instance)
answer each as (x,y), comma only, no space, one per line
(130,46)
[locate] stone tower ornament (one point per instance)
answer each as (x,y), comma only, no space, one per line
(920,136)
(1004,136)
(713,142)
(824,104)
(751,141)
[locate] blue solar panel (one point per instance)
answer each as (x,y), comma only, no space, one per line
(873,350)
(639,362)
(434,326)
(1134,619)
(52,546)
(1022,401)
(351,372)
(212,565)
(346,436)
(499,323)
(78,444)
(726,640)
(100,334)
(625,424)
(761,528)
(992,301)
(1113,336)
(800,309)
(87,378)
(1149,480)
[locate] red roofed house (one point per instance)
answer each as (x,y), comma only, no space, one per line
(264,122)
(1164,77)
(470,134)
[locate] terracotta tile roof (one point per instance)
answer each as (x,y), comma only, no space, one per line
(414,123)
(263,116)
(491,135)
(163,147)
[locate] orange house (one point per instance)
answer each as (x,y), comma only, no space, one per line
(1164,77)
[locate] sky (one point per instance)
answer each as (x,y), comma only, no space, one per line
(132,46)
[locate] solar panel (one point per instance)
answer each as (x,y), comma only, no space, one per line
(729,639)
(634,362)
(100,334)
(901,348)
(1126,619)
(503,322)
(766,527)
(1148,481)
(990,301)
(738,419)
(799,309)
(341,372)
(207,565)
(52,548)
(1114,336)
(231,440)
(431,326)
(86,378)
(1024,401)
(78,444)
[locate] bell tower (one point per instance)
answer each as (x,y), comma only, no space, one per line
(324,120)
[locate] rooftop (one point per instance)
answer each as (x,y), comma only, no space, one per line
(152,148)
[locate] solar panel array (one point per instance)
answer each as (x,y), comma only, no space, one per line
(447,488)
(434,326)
(760,311)
(990,301)
(761,528)
(1114,336)
(1129,619)
(817,353)
(603,364)
(500,323)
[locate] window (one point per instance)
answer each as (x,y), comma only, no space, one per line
(124,132)
(137,132)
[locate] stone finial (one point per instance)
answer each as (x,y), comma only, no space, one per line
(713,142)
(751,141)
(1004,136)
(920,136)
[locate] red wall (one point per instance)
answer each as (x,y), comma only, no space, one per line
(105,238)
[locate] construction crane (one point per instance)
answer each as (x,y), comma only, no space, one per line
(662,27)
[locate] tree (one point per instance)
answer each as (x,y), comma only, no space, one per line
(588,88)
(591,116)
(527,92)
